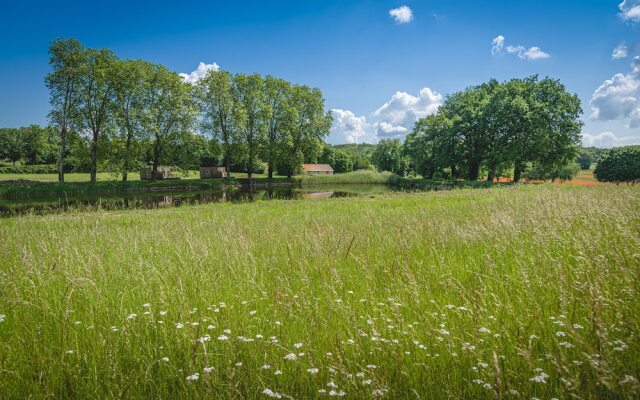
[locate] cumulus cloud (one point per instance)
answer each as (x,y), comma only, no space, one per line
(601,140)
(630,10)
(199,73)
(394,119)
(348,127)
(397,116)
(619,97)
(402,14)
(620,51)
(524,53)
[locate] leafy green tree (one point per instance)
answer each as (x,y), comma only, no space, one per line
(585,158)
(169,110)
(11,147)
(340,160)
(280,120)
(216,102)
(67,57)
(620,164)
(431,145)
(251,117)
(389,156)
(96,90)
(131,79)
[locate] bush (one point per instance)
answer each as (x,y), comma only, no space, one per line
(30,169)
(540,172)
(620,164)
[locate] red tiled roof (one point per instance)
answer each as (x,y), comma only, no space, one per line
(317,168)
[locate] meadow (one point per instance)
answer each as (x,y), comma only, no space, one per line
(510,292)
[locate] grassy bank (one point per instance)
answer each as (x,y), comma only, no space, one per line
(356,177)
(508,292)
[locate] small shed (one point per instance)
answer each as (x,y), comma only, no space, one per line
(213,172)
(317,169)
(146,173)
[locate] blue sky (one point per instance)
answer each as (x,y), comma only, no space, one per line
(378,72)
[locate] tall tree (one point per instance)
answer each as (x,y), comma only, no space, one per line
(11,147)
(67,57)
(169,110)
(96,90)
(251,116)
(304,142)
(217,105)
(130,80)
(281,116)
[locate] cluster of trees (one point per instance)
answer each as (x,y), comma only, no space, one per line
(588,156)
(491,128)
(132,111)
(31,145)
(620,164)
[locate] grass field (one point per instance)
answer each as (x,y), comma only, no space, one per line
(512,292)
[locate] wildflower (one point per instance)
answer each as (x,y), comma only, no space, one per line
(513,392)
(238,364)
(69,352)
(360,374)
(165,359)
(366,382)
(193,377)
(561,334)
(266,366)
(77,322)
(371,366)
(278,372)
(132,316)
(146,305)
(628,379)
(487,386)
(278,323)
(483,365)
(114,329)
(577,362)
(227,331)
(223,337)
(163,313)
(565,344)
(322,391)
(179,325)
(377,393)
(338,394)
(332,384)
(211,327)
(271,393)
(195,323)
(2,317)
(443,332)
(203,339)
(329,354)
(313,371)
(541,378)
(291,356)
(252,312)
(484,330)
(577,326)
(297,345)
(258,336)
(478,381)
(208,369)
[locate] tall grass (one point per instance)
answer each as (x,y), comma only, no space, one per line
(355,177)
(512,292)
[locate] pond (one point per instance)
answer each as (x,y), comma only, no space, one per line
(150,200)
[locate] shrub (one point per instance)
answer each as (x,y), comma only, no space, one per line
(620,164)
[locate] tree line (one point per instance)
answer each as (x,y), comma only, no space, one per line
(491,128)
(132,111)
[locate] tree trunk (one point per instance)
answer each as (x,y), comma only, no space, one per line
(474,170)
(492,173)
(156,159)
(94,157)
(517,172)
(63,144)
(127,156)
(270,168)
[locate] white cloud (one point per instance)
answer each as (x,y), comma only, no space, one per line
(394,119)
(397,116)
(402,14)
(199,73)
(524,53)
(497,44)
(601,140)
(630,10)
(348,127)
(620,51)
(619,97)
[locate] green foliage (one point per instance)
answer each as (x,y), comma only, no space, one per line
(340,160)
(360,154)
(620,164)
(30,169)
(541,172)
(388,156)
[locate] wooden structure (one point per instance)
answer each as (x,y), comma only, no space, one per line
(317,169)
(213,172)
(146,173)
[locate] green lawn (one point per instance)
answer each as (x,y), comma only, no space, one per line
(511,292)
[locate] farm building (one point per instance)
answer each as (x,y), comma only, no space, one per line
(213,172)
(317,169)
(146,173)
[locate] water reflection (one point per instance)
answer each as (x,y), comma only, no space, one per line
(152,200)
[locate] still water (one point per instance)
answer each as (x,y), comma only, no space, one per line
(149,200)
